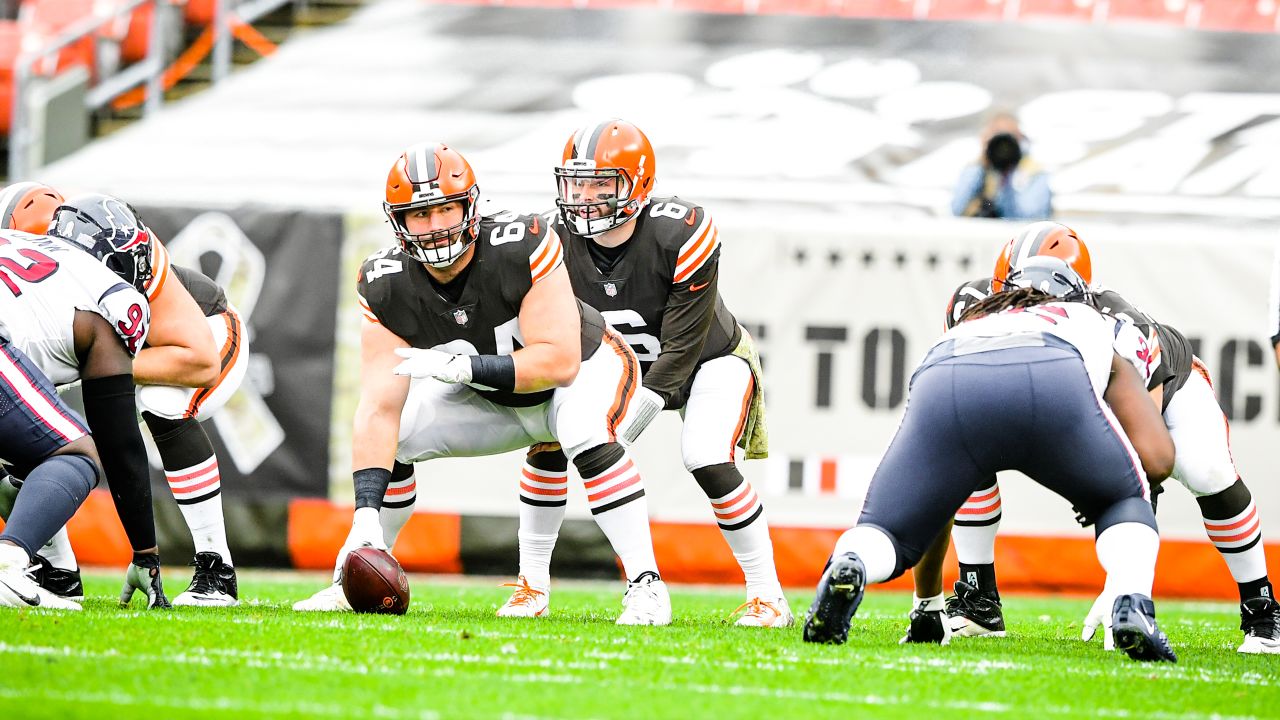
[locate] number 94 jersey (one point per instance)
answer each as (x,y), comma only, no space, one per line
(45,282)
(512,254)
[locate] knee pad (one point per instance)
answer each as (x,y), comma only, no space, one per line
(718,480)
(552,461)
(163,428)
(1131,509)
(596,460)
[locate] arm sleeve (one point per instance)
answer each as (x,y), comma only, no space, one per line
(690,309)
(966,187)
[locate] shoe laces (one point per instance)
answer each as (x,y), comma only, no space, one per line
(525,594)
(1260,617)
(968,597)
(643,587)
(756,608)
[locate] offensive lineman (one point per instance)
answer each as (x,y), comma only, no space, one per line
(473,344)
(651,264)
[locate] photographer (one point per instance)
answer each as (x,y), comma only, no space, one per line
(1004,182)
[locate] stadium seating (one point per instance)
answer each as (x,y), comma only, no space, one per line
(45,19)
(10,46)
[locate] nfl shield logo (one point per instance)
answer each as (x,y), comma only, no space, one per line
(460,316)
(610,289)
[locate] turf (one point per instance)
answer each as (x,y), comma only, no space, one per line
(451,658)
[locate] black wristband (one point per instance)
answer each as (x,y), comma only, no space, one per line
(495,371)
(371,486)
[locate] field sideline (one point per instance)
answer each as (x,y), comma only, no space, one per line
(450,657)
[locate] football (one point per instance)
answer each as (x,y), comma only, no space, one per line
(374,582)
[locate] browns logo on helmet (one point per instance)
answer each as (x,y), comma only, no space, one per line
(433,174)
(1042,238)
(28,206)
(605,177)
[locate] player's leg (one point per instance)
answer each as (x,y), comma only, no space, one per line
(715,416)
(544,486)
(974,609)
(56,568)
(585,417)
(50,444)
(928,622)
(1203,464)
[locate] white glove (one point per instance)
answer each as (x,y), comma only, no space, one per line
(645,406)
(1100,614)
(445,367)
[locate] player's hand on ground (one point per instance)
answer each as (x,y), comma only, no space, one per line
(1100,614)
(424,362)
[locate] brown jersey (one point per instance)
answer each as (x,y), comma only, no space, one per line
(1171,351)
(207,293)
(512,253)
(659,290)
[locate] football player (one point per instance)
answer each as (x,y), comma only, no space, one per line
(1179,386)
(650,265)
(67,318)
(473,344)
(1038,365)
(193,362)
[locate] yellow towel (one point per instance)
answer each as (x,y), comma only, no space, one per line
(755,436)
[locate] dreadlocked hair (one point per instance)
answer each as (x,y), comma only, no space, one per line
(1008,300)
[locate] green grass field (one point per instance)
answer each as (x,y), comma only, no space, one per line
(451,658)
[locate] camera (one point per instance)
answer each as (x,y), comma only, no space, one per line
(1003,152)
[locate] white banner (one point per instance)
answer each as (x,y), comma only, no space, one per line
(843,309)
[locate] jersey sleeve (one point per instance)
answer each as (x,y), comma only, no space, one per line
(161,269)
(373,282)
(129,314)
(686,319)
(699,248)
(1140,350)
(548,254)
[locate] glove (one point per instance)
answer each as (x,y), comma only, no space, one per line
(423,363)
(645,406)
(1100,614)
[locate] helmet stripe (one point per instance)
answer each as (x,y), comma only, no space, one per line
(599,129)
(9,199)
(1029,243)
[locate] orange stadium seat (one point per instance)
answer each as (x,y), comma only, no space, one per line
(1056,9)
(47,18)
(199,12)
(1242,16)
(1157,11)
(903,9)
(138,36)
(966,10)
(10,46)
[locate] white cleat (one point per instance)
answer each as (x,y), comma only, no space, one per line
(19,590)
(527,601)
(770,613)
(1260,620)
(330,599)
(647,602)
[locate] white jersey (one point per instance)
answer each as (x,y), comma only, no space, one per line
(43,282)
(1096,336)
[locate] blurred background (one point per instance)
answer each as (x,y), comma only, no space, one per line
(831,139)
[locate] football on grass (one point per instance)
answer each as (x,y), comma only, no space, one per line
(374,582)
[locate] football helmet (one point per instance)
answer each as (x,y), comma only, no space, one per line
(1050,275)
(1042,238)
(605,178)
(110,230)
(433,174)
(28,206)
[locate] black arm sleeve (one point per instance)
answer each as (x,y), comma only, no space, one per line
(691,307)
(111,412)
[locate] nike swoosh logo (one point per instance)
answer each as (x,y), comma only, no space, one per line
(1150,628)
(32,601)
(696,288)
(692,214)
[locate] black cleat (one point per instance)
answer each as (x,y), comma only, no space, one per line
(1133,625)
(65,584)
(1260,621)
(212,585)
(839,594)
(927,626)
(974,613)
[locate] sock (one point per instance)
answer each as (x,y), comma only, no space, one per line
(50,495)
(191,467)
(974,537)
(1232,524)
(937,603)
(873,547)
(58,551)
(741,518)
(398,502)
(544,486)
(1127,551)
(615,495)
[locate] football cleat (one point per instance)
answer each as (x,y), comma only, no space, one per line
(973,613)
(63,583)
(770,613)
(212,585)
(1260,621)
(927,626)
(527,601)
(647,601)
(330,599)
(18,588)
(145,578)
(1133,623)
(839,594)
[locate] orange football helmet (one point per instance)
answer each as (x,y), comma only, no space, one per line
(1042,238)
(605,177)
(28,206)
(433,174)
